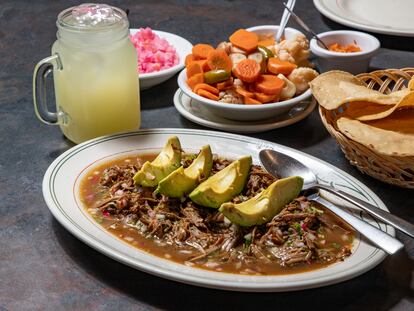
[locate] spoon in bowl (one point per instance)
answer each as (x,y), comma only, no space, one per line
(284,165)
(285,18)
(281,165)
(383,240)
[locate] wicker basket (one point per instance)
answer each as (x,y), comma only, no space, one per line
(395,170)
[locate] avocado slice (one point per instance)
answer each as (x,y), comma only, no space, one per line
(224,185)
(166,162)
(183,180)
(264,206)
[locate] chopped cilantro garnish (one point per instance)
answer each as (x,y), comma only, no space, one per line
(298,228)
(247,240)
(315,210)
(336,245)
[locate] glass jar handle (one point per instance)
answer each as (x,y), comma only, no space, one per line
(41,71)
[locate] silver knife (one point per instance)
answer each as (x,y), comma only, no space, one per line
(376,236)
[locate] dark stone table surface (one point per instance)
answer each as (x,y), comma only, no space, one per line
(43,267)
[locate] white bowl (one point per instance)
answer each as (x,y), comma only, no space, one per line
(246,112)
(183,48)
(355,62)
(266,29)
(238,111)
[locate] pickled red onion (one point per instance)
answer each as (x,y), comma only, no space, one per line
(154,53)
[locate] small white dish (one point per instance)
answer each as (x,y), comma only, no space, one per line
(380,16)
(241,112)
(183,48)
(62,180)
(197,113)
(355,62)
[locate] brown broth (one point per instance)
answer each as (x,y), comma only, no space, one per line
(91,192)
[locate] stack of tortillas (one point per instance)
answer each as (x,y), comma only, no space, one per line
(382,122)
(371,116)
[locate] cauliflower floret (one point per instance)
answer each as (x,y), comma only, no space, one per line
(294,50)
(238,83)
(226,46)
(230,97)
(288,90)
(284,55)
(301,77)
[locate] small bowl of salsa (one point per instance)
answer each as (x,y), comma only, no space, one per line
(348,50)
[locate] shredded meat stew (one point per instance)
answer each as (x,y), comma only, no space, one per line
(303,236)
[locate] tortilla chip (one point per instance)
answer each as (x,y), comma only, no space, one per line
(401,121)
(390,136)
(411,84)
(335,88)
(405,102)
(360,109)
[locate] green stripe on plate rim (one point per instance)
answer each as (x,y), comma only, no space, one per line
(96,141)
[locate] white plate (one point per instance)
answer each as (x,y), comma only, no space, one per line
(183,48)
(382,16)
(196,112)
(61,186)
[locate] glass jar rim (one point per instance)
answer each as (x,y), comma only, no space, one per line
(120,22)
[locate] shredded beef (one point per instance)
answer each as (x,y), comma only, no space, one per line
(289,238)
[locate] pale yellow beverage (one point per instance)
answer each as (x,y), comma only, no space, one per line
(95,74)
(97,91)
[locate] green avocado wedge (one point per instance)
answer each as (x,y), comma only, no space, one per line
(166,162)
(183,180)
(224,185)
(264,206)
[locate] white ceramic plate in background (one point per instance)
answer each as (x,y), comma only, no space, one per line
(61,185)
(198,114)
(392,17)
(183,48)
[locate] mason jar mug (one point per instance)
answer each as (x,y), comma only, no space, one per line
(94,68)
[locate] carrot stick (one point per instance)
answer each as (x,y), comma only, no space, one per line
(195,79)
(245,40)
(264,98)
(251,88)
(193,68)
(247,70)
(207,94)
(201,50)
(250,101)
(277,66)
(188,59)
(225,85)
(218,59)
(244,92)
(267,42)
(206,87)
(269,84)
